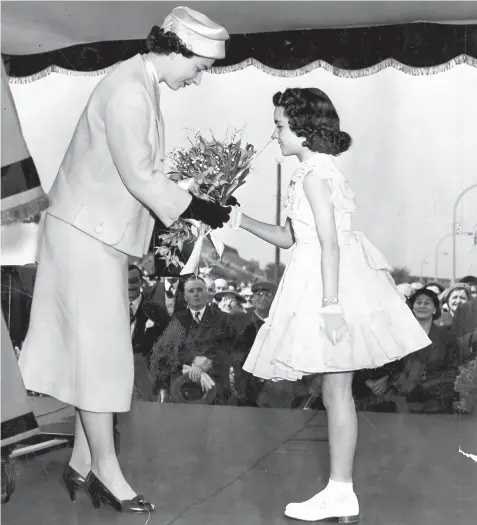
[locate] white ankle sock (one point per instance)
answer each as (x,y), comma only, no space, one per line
(340,487)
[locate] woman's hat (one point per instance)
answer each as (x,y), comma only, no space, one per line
(198,32)
(219,296)
(429,293)
(445,295)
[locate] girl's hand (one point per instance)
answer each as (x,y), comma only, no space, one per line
(335,326)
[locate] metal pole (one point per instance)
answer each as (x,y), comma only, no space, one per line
(423,262)
(437,255)
(278,219)
(454,232)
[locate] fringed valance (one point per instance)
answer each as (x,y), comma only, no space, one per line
(251,62)
(415,49)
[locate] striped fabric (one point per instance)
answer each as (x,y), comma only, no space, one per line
(22,195)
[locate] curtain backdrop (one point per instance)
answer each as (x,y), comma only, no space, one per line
(415,45)
(414,145)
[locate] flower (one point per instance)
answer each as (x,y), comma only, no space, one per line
(211,170)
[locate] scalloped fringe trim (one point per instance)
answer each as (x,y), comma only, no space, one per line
(252,62)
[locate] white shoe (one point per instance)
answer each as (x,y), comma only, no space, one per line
(325,505)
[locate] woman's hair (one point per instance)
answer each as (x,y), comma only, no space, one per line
(164,43)
(429,293)
(311,115)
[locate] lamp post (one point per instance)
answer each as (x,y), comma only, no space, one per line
(436,260)
(454,231)
(423,262)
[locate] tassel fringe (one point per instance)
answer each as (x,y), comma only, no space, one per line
(252,62)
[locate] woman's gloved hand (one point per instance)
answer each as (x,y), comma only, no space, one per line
(232,201)
(208,212)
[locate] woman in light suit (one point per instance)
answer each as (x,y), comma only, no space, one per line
(108,189)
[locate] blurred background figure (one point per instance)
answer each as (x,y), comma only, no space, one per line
(209,282)
(221,285)
(405,290)
(247,294)
(451,299)
(471,280)
(435,287)
(230,302)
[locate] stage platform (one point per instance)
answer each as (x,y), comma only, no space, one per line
(206,465)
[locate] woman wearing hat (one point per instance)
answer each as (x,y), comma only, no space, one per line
(109,190)
(230,302)
(429,374)
(451,299)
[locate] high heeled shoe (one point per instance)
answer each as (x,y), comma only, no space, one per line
(73,482)
(99,492)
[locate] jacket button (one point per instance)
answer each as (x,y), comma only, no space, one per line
(99,229)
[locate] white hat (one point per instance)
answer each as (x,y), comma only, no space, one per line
(198,32)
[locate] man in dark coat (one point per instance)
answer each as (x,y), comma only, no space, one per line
(201,337)
(248,387)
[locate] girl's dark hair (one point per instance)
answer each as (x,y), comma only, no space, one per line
(429,293)
(166,43)
(311,115)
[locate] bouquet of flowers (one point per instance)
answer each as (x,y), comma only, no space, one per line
(211,170)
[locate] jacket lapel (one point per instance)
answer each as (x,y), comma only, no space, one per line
(155,97)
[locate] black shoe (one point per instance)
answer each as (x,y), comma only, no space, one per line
(99,492)
(73,482)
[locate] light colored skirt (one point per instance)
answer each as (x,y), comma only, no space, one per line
(78,347)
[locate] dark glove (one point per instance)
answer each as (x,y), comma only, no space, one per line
(232,201)
(210,213)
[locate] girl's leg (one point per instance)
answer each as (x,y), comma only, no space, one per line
(338,499)
(98,427)
(342,424)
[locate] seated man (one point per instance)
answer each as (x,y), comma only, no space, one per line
(247,387)
(201,337)
(148,321)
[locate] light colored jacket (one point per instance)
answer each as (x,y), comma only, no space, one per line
(111,177)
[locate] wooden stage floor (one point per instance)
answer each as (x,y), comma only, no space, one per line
(205,465)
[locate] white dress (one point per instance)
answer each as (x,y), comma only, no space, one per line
(292,342)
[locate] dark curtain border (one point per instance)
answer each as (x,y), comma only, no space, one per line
(416,45)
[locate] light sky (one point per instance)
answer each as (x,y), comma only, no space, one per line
(414,149)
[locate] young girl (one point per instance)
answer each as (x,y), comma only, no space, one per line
(337,309)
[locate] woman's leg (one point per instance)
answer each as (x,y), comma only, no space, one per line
(342,424)
(98,427)
(81,456)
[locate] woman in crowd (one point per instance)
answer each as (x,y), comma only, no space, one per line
(337,308)
(427,380)
(451,299)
